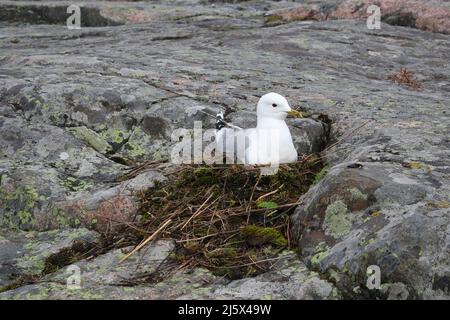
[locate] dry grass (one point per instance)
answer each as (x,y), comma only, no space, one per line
(405,78)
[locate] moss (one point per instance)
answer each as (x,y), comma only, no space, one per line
(205,176)
(193,246)
(286,176)
(336,222)
(320,175)
(202,176)
(258,236)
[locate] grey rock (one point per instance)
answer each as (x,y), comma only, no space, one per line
(107,208)
(104,278)
(25,253)
(78,108)
(290,279)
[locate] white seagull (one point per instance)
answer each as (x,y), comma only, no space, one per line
(270,143)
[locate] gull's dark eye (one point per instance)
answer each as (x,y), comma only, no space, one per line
(274,105)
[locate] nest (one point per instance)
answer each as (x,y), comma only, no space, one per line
(229,219)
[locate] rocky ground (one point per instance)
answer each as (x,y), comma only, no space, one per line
(78,108)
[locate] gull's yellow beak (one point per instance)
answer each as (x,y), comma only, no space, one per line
(295,114)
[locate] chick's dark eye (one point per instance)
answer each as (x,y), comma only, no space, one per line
(274,105)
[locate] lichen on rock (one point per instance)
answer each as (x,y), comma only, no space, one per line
(337,222)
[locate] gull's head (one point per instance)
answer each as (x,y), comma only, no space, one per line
(273,105)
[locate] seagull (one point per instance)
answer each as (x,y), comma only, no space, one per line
(270,143)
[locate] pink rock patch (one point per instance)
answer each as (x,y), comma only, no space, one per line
(434,17)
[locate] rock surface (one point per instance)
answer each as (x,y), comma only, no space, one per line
(104,278)
(78,108)
(27,253)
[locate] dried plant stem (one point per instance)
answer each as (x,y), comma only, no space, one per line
(199,210)
(142,244)
(270,193)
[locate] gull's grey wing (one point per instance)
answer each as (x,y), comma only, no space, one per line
(234,143)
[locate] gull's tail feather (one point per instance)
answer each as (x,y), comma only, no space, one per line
(220,122)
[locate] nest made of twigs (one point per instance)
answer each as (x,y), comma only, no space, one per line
(227,218)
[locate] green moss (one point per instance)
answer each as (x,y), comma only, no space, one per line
(258,236)
(201,176)
(267,204)
(320,175)
(286,176)
(76,185)
(193,246)
(337,222)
